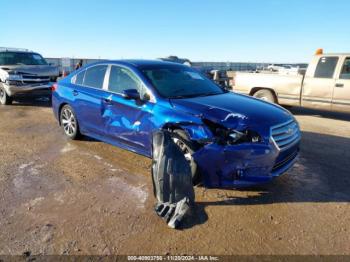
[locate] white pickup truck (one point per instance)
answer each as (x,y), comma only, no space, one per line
(325,85)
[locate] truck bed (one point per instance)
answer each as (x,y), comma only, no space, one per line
(286,87)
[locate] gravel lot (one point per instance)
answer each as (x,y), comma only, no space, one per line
(86,197)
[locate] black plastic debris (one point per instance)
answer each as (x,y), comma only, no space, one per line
(173,214)
(172,180)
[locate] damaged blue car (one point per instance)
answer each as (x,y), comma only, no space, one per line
(229,140)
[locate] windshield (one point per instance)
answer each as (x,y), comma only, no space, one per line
(20,58)
(180,82)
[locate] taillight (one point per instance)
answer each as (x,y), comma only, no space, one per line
(54,87)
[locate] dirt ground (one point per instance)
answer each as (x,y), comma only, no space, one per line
(86,197)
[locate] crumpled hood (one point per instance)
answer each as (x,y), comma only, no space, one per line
(38,70)
(234,111)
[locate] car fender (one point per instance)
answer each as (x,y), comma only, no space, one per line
(193,125)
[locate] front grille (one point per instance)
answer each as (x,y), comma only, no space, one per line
(36,83)
(35,79)
(285,161)
(285,135)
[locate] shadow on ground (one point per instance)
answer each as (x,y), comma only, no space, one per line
(35,101)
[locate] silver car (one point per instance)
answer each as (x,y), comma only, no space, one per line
(24,72)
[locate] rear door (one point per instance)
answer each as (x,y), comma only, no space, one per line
(317,91)
(341,95)
(128,121)
(89,95)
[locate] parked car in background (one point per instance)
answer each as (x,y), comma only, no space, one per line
(220,77)
(229,139)
(290,70)
(278,67)
(24,72)
(325,85)
(178,60)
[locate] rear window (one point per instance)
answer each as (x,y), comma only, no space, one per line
(94,76)
(326,66)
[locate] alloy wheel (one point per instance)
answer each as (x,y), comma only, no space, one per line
(69,122)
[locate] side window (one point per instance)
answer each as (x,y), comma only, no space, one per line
(79,78)
(121,79)
(345,71)
(326,66)
(94,76)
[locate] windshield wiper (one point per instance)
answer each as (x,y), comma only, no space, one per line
(192,96)
(177,97)
(208,94)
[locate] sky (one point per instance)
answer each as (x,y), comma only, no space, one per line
(285,31)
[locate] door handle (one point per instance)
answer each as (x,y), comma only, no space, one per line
(75,93)
(339,85)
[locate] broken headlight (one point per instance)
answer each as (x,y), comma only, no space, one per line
(228,136)
(248,136)
(232,137)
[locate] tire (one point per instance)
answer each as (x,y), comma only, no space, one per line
(69,122)
(266,95)
(187,147)
(4,98)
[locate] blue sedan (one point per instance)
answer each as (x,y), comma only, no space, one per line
(230,140)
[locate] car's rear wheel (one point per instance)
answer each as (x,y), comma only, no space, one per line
(69,122)
(266,95)
(187,148)
(4,98)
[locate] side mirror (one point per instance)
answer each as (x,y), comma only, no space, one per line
(146,97)
(131,94)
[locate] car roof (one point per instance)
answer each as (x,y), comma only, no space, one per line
(18,52)
(139,63)
(334,54)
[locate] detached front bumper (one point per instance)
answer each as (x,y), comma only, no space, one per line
(36,88)
(243,165)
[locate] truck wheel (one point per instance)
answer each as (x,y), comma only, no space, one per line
(186,146)
(4,98)
(69,122)
(187,63)
(265,95)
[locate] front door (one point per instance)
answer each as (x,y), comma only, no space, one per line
(318,89)
(341,95)
(128,121)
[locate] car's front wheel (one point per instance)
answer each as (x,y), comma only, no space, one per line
(187,148)
(69,122)
(4,98)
